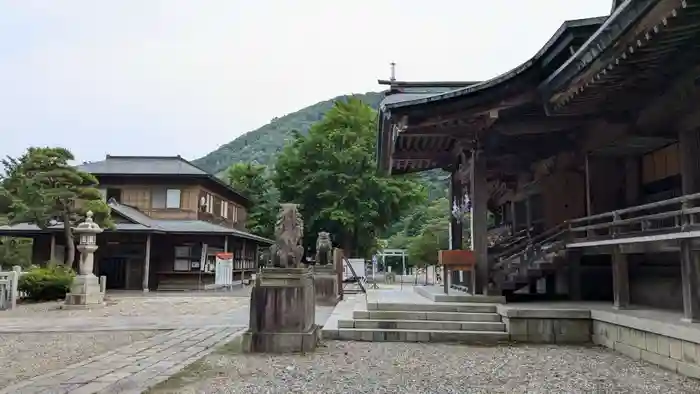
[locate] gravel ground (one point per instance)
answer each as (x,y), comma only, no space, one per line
(360,367)
(135,306)
(23,356)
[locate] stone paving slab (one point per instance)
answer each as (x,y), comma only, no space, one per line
(133,368)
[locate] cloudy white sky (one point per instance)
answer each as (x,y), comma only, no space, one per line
(166,77)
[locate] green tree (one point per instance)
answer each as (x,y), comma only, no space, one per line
(43,188)
(15,251)
(331,172)
(425,231)
(254,181)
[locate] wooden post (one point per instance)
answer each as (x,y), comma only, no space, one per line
(147,264)
(632,181)
(574,272)
(456,235)
(528,214)
(621,286)
(514,221)
(479,188)
(225,243)
(52,250)
(587,169)
(690,274)
(244,261)
(689,146)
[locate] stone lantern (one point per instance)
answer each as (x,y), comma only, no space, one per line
(87,232)
(85,292)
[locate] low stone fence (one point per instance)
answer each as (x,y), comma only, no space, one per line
(8,288)
(662,340)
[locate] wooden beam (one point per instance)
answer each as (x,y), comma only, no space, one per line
(422,155)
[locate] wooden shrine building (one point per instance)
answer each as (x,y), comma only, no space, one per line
(588,154)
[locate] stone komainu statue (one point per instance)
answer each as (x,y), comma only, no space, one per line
(324,249)
(289,229)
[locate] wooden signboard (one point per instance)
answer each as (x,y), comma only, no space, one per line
(458,260)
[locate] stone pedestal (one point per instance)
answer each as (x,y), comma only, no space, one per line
(282,312)
(85,292)
(326,285)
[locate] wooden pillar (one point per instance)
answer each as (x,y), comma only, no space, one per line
(244,264)
(573,257)
(587,170)
(528,214)
(621,285)
(632,181)
(514,221)
(52,250)
(479,189)
(690,282)
(456,193)
(550,284)
(147,264)
(689,146)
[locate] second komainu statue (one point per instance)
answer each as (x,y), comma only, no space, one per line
(287,252)
(324,249)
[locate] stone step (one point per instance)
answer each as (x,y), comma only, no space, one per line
(461,298)
(432,307)
(432,316)
(428,325)
(397,335)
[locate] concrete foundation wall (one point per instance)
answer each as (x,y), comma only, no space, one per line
(681,356)
(671,345)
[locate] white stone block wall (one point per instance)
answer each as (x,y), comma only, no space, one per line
(674,354)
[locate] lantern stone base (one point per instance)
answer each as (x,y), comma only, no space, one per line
(282,312)
(326,285)
(85,292)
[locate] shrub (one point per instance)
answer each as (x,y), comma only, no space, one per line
(46,283)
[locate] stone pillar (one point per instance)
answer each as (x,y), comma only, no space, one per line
(621,286)
(326,284)
(282,301)
(479,189)
(282,312)
(147,264)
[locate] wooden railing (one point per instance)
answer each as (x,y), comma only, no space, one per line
(676,215)
(668,216)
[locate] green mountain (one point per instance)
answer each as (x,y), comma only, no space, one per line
(263,145)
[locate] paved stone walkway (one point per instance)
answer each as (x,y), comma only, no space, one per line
(130,369)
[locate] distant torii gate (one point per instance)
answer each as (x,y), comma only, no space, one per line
(394,252)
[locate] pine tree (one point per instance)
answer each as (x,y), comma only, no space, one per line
(43,189)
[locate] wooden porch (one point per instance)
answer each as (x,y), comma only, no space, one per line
(138,261)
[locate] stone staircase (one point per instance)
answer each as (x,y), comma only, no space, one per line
(474,323)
